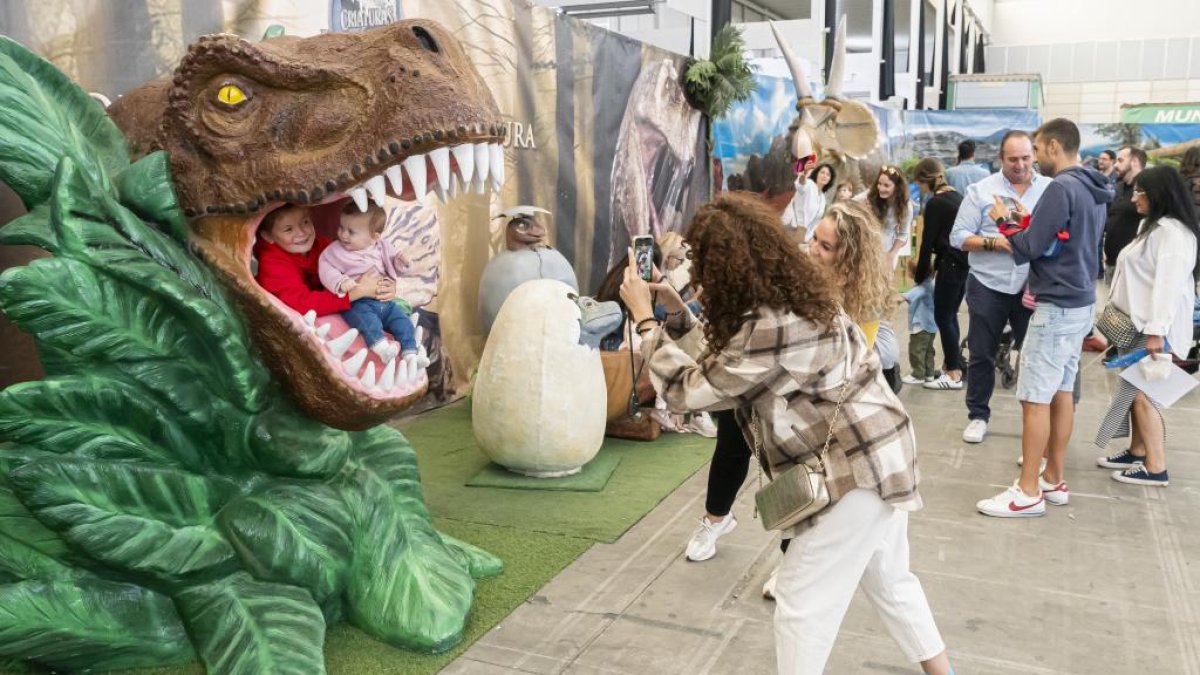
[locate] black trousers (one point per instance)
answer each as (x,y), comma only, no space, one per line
(948,292)
(730,464)
(990,311)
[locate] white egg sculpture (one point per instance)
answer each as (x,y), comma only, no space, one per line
(540,401)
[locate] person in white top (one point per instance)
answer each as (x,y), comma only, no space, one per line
(888,198)
(1155,284)
(808,205)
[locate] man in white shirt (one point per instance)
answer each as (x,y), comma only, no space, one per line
(995,283)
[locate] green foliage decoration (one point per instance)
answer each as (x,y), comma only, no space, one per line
(161,501)
(712,86)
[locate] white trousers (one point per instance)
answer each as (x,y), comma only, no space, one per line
(860,542)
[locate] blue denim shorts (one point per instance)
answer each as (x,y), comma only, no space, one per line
(1050,353)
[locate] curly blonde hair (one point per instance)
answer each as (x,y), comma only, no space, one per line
(744,260)
(859,271)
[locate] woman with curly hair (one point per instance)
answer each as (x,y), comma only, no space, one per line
(779,350)
(846,241)
(888,199)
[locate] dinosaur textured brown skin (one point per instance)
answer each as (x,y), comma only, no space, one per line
(525,232)
(251,127)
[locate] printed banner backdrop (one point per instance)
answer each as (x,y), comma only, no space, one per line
(1160,140)
(937,133)
(599,132)
(751,125)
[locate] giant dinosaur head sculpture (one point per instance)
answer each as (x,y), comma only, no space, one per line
(315,121)
(834,126)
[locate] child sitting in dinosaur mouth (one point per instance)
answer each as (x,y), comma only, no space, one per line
(360,251)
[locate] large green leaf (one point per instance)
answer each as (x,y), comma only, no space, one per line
(31,229)
(146,188)
(131,517)
(69,306)
(297,534)
(96,417)
(94,228)
(285,443)
(406,586)
(478,562)
(90,624)
(27,549)
(248,627)
(46,116)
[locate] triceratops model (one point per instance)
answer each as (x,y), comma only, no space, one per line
(840,130)
(164,497)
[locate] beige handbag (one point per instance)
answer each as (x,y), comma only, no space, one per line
(798,493)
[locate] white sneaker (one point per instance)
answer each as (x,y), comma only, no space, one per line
(944,382)
(975,432)
(1057,494)
(415,357)
(911,379)
(769,586)
(704,540)
(702,424)
(1012,503)
(386,350)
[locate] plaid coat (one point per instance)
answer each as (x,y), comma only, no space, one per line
(790,371)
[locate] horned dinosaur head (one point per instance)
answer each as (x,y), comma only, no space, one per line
(316,121)
(835,124)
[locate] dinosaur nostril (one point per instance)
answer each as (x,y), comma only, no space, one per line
(425,39)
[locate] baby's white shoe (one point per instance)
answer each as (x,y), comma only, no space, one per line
(386,350)
(416,358)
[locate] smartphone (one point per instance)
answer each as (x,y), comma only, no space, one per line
(643,255)
(1011,204)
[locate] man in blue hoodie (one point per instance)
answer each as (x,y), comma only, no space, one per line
(1059,243)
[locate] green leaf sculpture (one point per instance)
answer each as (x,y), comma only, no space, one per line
(161,500)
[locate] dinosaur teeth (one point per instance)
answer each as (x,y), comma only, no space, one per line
(496,152)
(310,318)
(483,164)
(395,176)
(401,372)
(368,376)
(359,195)
(378,189)
(322,331)
(465,156)
(415,166)
(341,343)
(441,166)
(352,364)
(388,379)
(413,372)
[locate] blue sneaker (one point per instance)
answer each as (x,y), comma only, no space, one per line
(1139,475)
(1122,460)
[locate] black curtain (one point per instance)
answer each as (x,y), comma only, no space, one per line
(943,90)
(887,64)
(977,66)
(962,46)
(831,22)
(919,102)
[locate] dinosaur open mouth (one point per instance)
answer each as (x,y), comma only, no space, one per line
(331,370)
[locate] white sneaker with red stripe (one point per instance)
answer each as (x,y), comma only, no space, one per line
(1058,494)
(1012,503)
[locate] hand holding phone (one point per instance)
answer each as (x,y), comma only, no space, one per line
(643,255)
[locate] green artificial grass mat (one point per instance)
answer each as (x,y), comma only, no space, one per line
(592,478)
(536,533)
(448,456)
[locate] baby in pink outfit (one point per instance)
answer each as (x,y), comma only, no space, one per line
(359,249)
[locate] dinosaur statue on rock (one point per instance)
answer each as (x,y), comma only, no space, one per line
(164,496)
(835,129)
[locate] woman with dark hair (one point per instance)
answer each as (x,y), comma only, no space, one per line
(825,178)
(779,351)
(1155,285)
(1190,168)
(950,264)
(814,190)
(888,199)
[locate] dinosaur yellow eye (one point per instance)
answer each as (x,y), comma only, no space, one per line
(231,95)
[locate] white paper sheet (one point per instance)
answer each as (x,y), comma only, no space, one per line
(1164,392)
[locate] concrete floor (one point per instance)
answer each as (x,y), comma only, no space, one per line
(1108,584)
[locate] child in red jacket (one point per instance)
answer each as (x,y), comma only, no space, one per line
(287,249)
